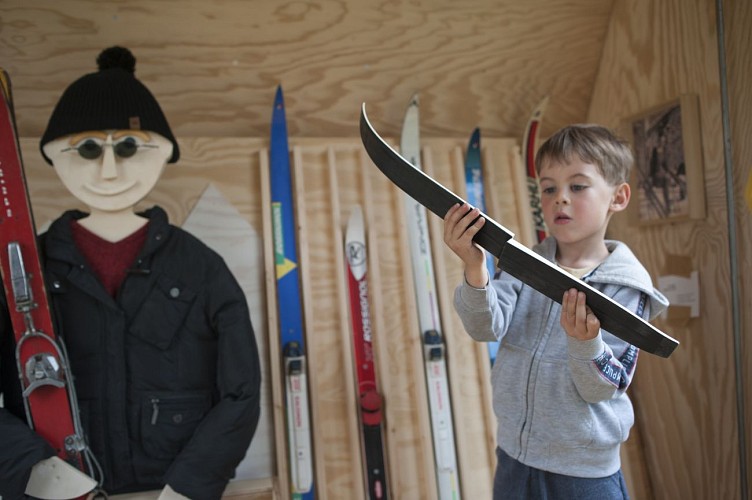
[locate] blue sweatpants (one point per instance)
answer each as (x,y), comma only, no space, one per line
(516,481)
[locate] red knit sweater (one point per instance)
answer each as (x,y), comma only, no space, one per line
(109,261)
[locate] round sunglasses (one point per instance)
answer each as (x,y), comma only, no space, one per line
(91,149)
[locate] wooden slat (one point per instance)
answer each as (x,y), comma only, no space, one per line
(314,361)
(357,472)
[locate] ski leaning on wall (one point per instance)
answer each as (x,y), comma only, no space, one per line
(528,162)
(370,402)
(46,381)
(476,196)
(290,308)
(432,338)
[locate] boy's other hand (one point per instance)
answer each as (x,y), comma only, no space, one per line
(461,224)
(576,317)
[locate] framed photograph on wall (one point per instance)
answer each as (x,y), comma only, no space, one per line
(667,179)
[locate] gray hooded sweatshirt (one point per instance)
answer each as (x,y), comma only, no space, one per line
(561,403)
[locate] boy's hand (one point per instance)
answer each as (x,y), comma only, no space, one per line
(576,317)
(460,226)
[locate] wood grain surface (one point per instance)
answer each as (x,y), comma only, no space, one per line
(214,66)
(738,44)
(686,407)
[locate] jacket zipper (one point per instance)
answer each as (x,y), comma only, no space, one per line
(538,350)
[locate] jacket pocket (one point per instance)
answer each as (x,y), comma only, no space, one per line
(560,416)
(163,312)
(168,421)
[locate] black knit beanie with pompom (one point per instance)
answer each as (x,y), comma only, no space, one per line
(110,99)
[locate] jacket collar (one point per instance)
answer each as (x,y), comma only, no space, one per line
(58,240)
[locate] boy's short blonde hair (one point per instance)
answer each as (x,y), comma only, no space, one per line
(592,144)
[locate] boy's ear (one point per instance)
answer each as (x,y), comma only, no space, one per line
(621,197)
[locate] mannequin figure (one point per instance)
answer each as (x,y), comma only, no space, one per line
(157,329)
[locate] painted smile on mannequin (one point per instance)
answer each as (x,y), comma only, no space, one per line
(109,170)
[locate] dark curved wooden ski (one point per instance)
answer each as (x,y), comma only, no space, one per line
(514,258)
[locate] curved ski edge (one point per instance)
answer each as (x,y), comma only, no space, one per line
(422,188)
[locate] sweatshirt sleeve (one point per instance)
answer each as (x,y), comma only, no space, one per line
(602,368)
(486,312)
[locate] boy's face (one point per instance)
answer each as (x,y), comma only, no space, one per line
(109,170)
(577,201)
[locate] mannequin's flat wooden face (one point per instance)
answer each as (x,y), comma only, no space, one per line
(109,170)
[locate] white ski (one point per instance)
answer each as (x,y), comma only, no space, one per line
(432,339)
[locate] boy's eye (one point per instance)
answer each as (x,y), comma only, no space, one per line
(578,187)
(548,190)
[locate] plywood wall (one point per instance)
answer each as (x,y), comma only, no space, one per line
(214,64)
(332,175)
(655,51)
(738,42)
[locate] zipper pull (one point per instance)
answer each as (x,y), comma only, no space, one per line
(155,410)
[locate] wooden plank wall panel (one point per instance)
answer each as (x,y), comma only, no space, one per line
(738,39)
(686,408)
(328,328)
(330,176)
(214,65)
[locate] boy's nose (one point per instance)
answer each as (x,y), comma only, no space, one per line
(562,198)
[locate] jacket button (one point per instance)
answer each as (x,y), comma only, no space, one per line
(177,418)
(56,284)
(158,237)
(174,292)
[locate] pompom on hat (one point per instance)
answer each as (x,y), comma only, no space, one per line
(110,99)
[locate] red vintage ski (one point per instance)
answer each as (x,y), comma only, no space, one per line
(46,381)
(370,401)
(528,160)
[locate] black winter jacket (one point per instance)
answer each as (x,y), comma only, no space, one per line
(167,373)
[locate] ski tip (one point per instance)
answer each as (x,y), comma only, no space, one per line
(279,100)
(414,100)
(374,143)
(356,215)
(540,108)
(5,84)
(365,125)
(474,139)
(355,225)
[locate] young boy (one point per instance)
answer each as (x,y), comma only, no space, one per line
(562,414)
